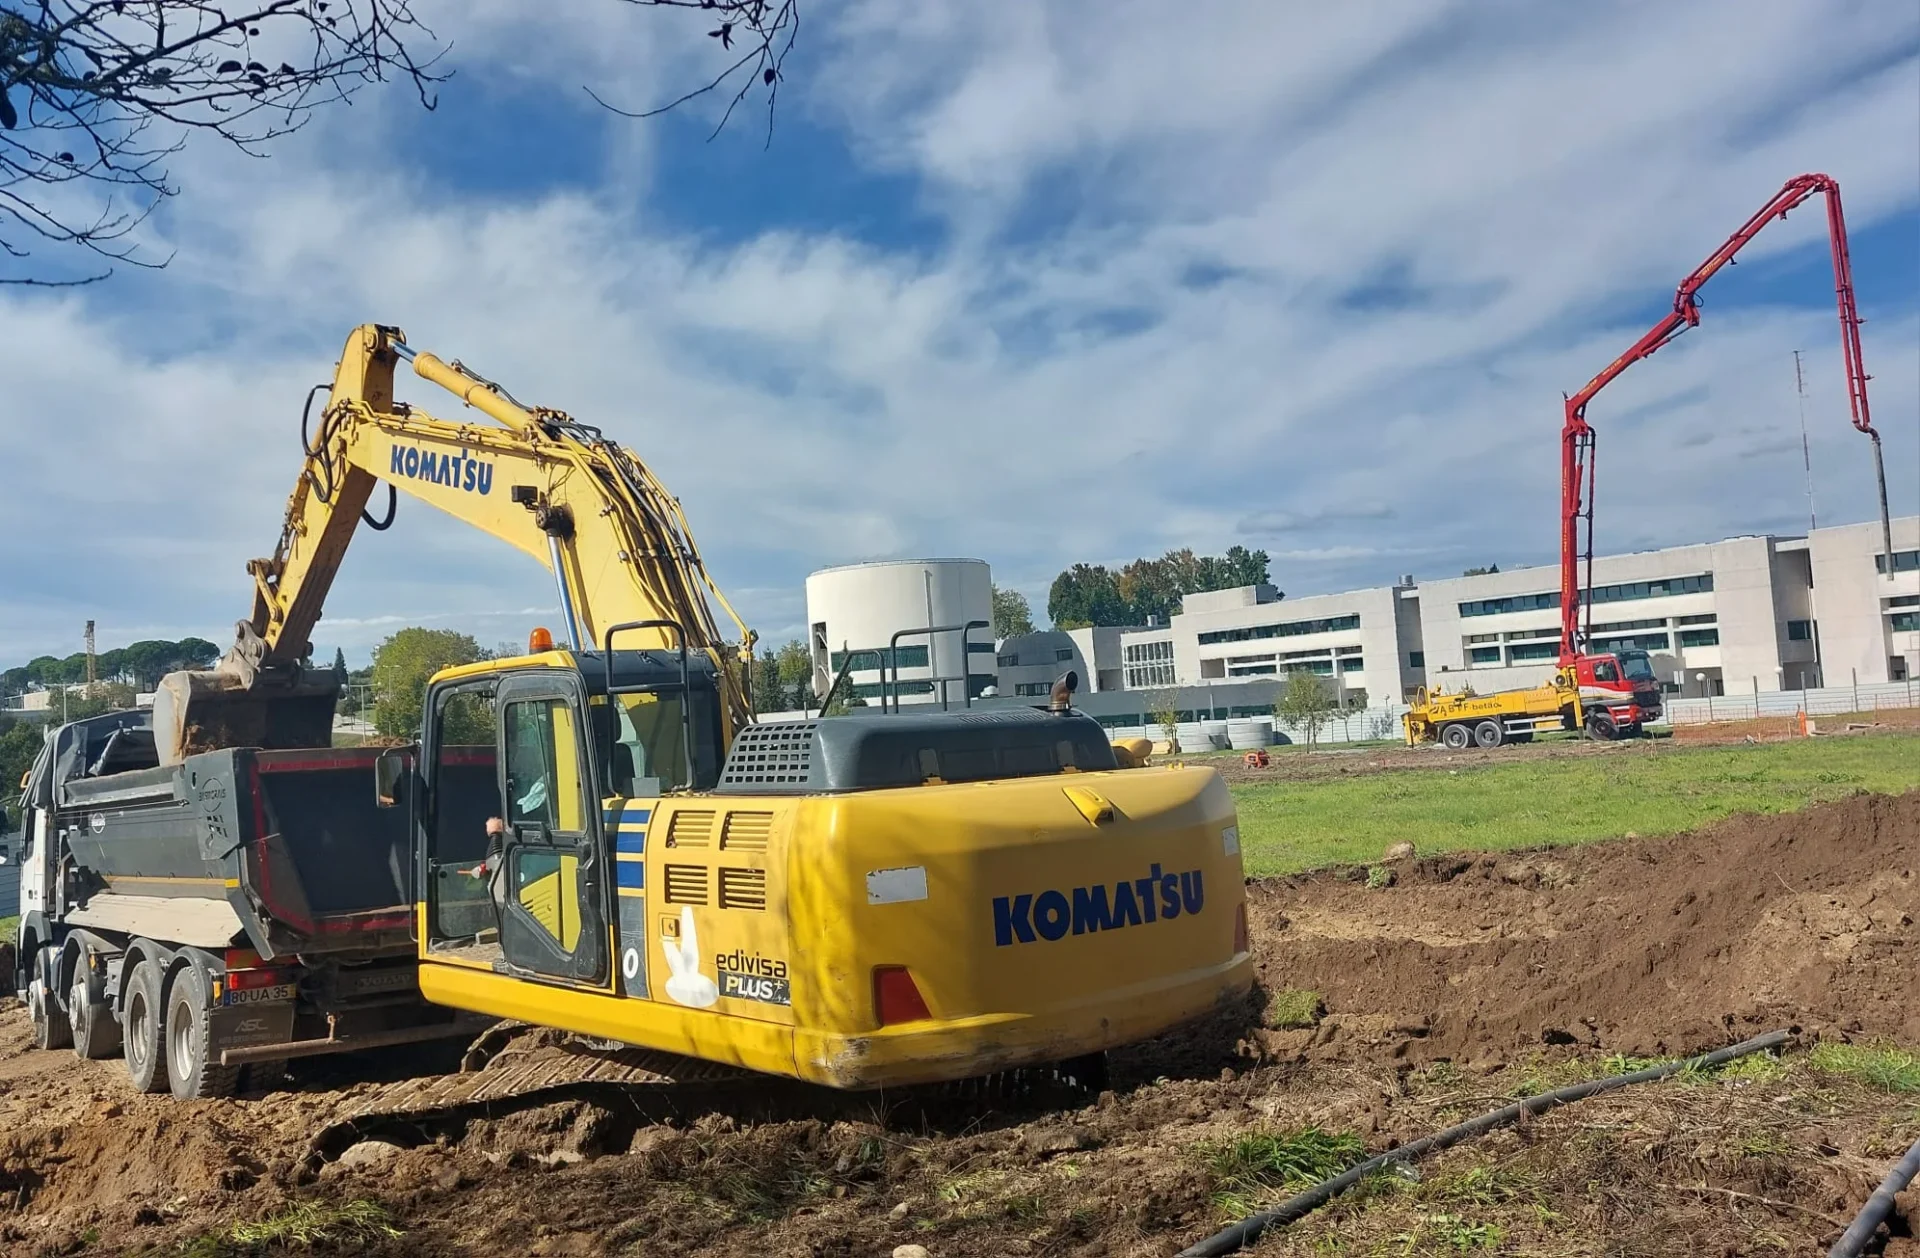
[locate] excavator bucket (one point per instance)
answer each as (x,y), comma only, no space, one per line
(243,702)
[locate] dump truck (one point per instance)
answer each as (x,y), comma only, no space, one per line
(241,906)
(602,838)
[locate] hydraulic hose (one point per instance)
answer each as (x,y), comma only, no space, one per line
(1248,1230)
(1878,1206)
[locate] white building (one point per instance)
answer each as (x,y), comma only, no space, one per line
(920,631)
(1869,622)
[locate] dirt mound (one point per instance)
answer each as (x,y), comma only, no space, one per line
(1639,946)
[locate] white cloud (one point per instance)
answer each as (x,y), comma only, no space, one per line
(1148,326)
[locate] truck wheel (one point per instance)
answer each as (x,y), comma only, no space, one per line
(190,1068)
(146,1046)
(95,1034)
(1455,737)
(50,1028)
(1600,727)
(1489,734)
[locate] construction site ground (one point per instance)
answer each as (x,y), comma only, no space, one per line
(1396,998)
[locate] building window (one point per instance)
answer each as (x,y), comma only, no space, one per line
(1708,619)
(1348,650)
(1319,668)
(1523,635)
(1905,622)
(1903,561)
(1799,631)
(1253,670)
(1483,655)
(1039,689)
(1148,652)
(1635,642)
(872,660)
(1287,629)
(1008,661)
(1627,592)
(1628,626)
(1483,637)
(1521,654)
(1149,675)
(1416,659)
(1352,664)
(1066,653)
(1699,637)
(1905,600)
(979,648)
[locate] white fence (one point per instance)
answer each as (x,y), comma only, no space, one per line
(1825,701)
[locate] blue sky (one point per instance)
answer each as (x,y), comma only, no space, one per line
(1009,284)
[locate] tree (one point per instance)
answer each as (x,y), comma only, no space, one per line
(402,666)
(97,95)
(793,665)
(1012,617)
(1481,572)
(1090,594)
(19,744)
(340,663)
(768,693)
(1163,707)
(1085,594)
(1305,704)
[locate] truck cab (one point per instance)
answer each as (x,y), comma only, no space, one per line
(1619,692)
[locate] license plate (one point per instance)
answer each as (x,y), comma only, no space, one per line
(259,995)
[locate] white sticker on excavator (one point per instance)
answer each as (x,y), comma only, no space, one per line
(1230,840)
(897,886)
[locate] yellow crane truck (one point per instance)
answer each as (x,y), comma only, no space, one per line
(855,901)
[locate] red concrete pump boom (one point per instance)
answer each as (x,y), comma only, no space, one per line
(1577,439)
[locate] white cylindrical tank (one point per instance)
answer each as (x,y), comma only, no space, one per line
(862,607)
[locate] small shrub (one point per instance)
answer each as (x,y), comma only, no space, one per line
(311,1222)
(1379,877)
(1293,1009)
(1295,1158)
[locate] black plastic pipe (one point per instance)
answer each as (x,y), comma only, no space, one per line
(1878,1206)
(1248,1230)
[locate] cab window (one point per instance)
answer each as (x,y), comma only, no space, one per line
(543,766)
(649,754)
(1637,667)
(1605,671)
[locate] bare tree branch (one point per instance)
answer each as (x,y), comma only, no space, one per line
(764,29)
(96,95)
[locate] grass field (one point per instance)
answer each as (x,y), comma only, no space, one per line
(1287,826)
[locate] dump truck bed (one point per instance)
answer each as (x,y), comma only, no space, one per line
(285,848)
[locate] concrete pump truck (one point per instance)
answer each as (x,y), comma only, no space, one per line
(855,901)
(1614,694)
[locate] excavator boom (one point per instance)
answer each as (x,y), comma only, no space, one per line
(1577,438)
(559,490)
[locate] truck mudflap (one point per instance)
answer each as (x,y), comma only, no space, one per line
(251,1024)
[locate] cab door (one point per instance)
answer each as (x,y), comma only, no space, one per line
(550,886)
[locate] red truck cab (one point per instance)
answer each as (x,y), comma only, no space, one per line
(1618,691)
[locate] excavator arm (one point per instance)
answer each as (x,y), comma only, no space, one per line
(557,489)
(1577,438)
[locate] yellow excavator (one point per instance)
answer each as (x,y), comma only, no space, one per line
(857,901)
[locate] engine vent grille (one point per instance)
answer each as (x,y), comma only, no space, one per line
(746,832)
(774,754)
(687,884)
(691,829)
(743,889)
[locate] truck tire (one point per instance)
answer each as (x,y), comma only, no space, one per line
(1600,728)
(95,1033)
(144,1029)
(1489,734)
(191,1071)
(50,1026)
(1455,737)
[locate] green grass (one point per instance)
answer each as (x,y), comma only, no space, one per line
(9,929)
(302,1225)
(1876,1065)
(1286,826)
(1246,1169)
(1293,1009)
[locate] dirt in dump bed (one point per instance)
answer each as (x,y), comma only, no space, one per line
(1464,983)
(1635,946)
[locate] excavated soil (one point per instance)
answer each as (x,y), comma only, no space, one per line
(1462,983)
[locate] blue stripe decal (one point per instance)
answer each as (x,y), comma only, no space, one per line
(631,876)
(634,815)
(630,842)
